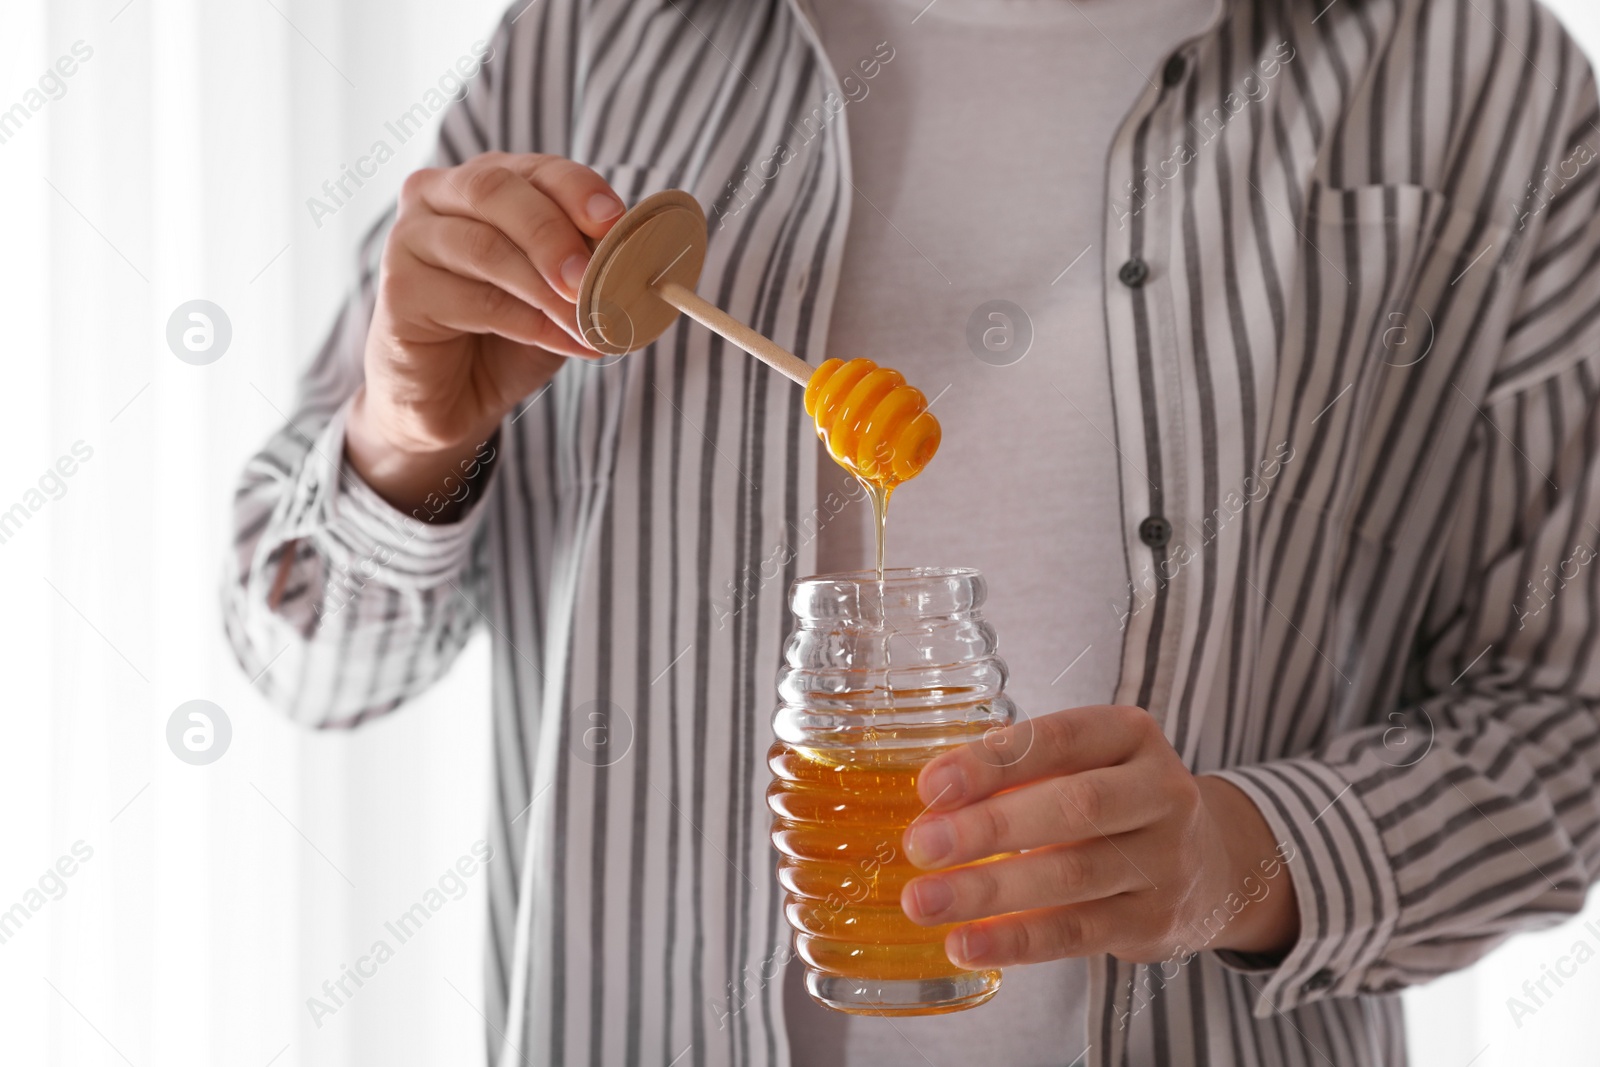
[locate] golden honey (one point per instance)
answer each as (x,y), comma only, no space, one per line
(840,817)
(874,425)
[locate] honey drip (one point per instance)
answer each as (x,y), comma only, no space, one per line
(875,426)
(879,495)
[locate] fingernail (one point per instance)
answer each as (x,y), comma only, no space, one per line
(932,896)
(572,270)
(974,944)
(603,207)
(944,784)
(931,841)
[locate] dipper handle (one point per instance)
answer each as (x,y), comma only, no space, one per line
(720,322)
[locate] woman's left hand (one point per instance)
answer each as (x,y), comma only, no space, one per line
(1105,844)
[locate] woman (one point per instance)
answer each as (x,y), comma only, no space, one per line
(1279,457)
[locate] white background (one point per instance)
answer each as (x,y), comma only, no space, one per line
(217,899)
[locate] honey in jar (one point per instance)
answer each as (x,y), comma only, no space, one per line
(880,677)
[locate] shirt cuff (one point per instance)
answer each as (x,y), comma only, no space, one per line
(1343,883)
(363,536)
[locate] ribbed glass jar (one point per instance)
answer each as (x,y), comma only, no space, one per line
(879,677)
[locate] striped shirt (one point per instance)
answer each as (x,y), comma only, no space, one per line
(1354,333)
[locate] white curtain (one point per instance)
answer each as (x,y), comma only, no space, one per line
(154,152)
(174,163)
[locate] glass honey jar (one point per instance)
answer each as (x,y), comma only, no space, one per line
(879,677)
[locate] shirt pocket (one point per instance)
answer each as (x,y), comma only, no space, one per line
(1412,263)
(1379,251)
(1396,278)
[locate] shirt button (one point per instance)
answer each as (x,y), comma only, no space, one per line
(1155,531)
(1319,981)
(1134,272)
(1172,74)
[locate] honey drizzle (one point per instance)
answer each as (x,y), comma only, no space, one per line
(879,494)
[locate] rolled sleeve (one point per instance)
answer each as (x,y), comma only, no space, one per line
(1344,887)
(362,534)
(339,606)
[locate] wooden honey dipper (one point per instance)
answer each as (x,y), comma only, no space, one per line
(643,273)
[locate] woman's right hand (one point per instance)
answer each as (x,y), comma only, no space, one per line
(476,310)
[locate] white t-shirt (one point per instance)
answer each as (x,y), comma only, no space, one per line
(979,151)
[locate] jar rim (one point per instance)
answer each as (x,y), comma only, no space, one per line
(891,576)
(904,593)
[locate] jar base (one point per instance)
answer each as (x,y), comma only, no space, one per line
(927,996)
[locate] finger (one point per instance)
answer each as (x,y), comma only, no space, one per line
(1037,936)
(1042,878)
(1093,804)
(502,198)
(589,202)
(452,305)
(471,248)
(1064,742)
